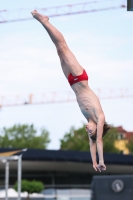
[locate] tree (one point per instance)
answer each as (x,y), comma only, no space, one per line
(77,139)
(109,140)
(24,136)
(30,187)
(130,145)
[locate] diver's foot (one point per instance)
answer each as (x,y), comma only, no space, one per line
(41,18)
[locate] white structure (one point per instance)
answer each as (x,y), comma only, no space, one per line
(6,157)
(13,194)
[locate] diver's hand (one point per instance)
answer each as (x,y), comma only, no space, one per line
(101,167)
(95,166)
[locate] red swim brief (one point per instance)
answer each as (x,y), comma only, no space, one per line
(75,79)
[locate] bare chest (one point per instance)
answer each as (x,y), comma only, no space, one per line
(88,101)
(88,108)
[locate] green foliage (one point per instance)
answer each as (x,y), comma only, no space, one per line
(130,145)
(30,186)
(77,139)
(108,141)
(24,136)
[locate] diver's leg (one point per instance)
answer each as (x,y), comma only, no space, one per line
(68,61)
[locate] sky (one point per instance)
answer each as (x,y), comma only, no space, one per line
(102,43)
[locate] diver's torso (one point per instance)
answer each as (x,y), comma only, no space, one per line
(87,100)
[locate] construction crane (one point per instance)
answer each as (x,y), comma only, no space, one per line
(59,97)
(90,6)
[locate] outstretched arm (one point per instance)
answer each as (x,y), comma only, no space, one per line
(99,142)
(93,153)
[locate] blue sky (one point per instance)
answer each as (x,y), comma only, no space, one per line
(102,43)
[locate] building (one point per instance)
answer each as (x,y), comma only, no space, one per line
(123,138)
(66,173)
(68,168)
(123,134)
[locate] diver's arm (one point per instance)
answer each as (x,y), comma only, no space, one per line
(93,153)
(99,139)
